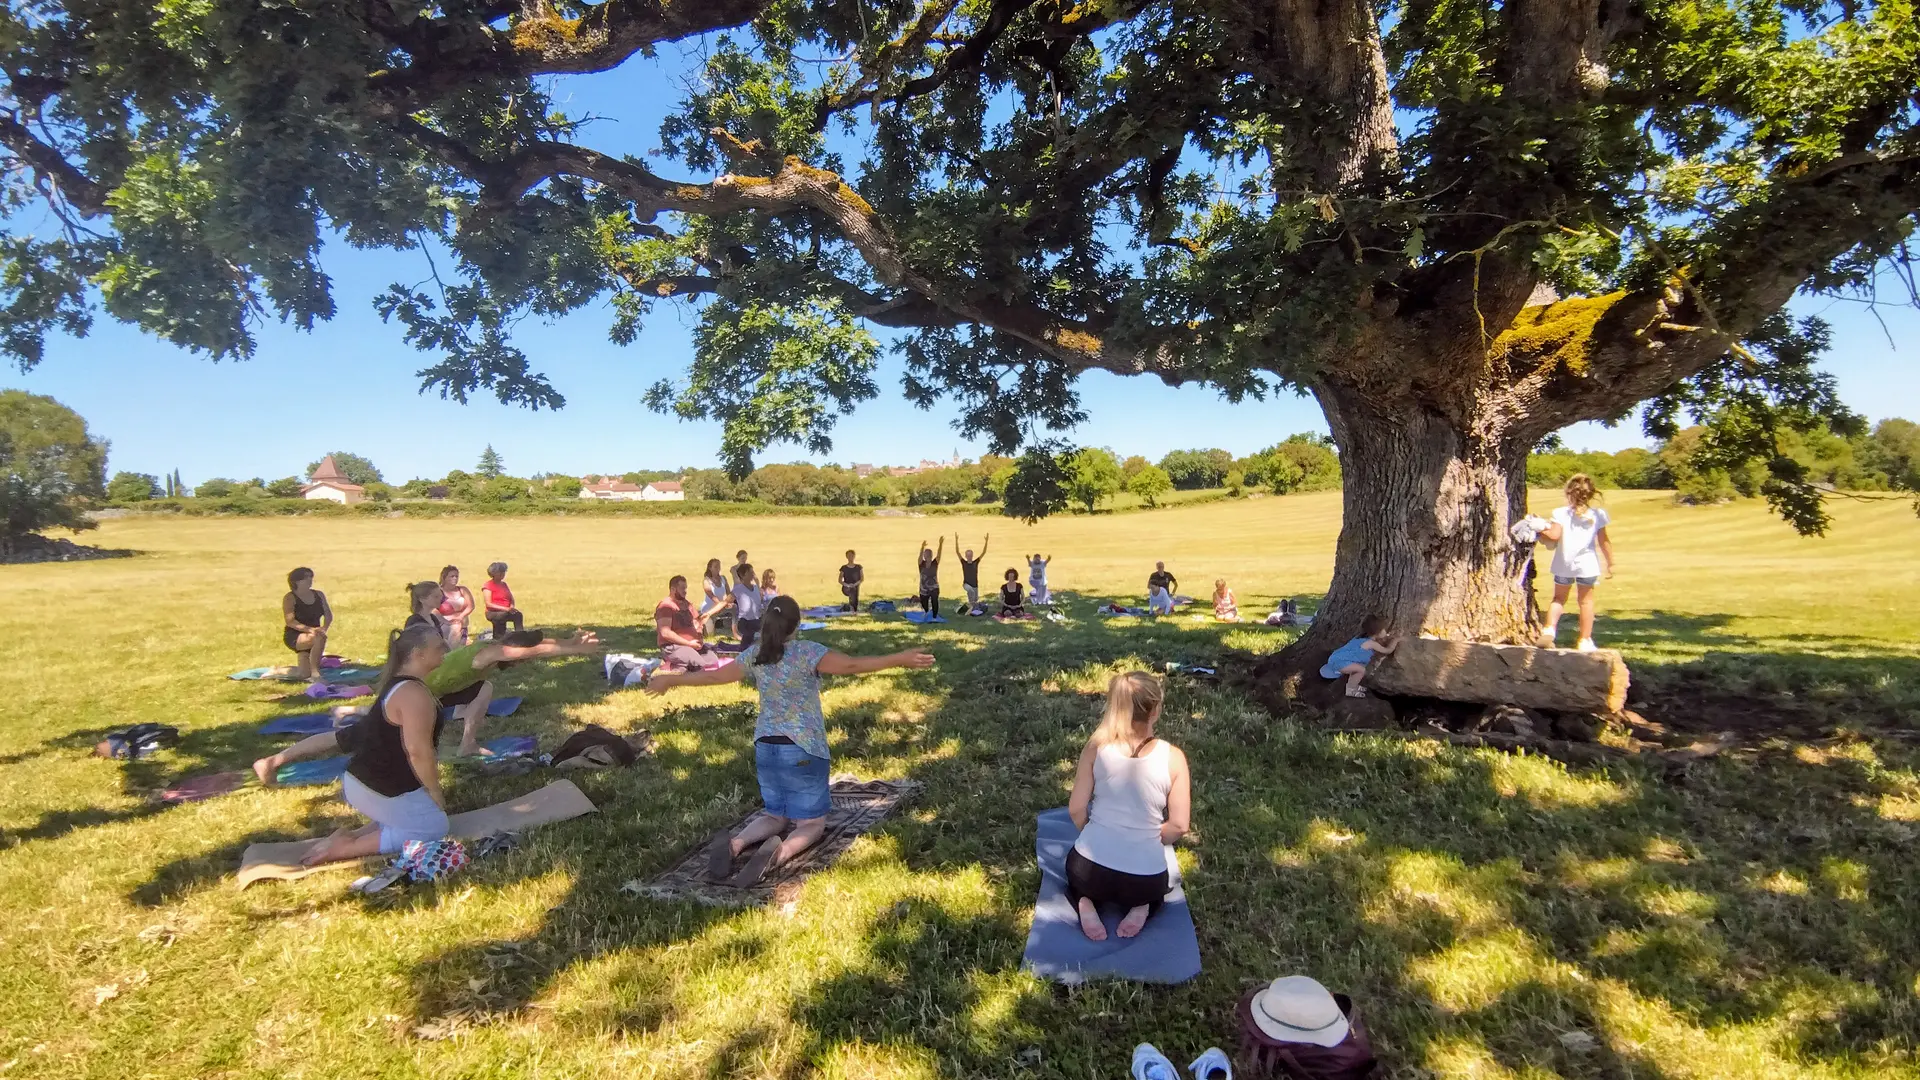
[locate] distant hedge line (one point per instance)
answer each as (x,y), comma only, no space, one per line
(256,506)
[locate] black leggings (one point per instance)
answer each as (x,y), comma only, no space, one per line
(500,619)
(930,603)
(1103,886)
(852,593)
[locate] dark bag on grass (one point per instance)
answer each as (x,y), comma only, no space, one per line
(1349,1059)
(587,738)
(136,742)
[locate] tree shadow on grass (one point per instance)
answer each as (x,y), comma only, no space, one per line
(1478,906)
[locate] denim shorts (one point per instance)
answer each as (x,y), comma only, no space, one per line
(793,783)
(1588,582)
(412,816)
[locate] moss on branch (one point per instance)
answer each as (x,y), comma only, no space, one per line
(1557,335)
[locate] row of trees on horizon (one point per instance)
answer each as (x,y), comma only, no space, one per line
(1885,458)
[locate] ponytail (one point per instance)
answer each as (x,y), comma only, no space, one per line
(401,645)
(418,591)
(1132,700)
(776,626)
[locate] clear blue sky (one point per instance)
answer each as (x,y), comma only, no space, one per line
(350,385)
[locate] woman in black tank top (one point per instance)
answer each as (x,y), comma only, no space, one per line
(393,776)
(307,617)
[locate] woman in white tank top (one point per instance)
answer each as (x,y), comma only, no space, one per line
(1132,801)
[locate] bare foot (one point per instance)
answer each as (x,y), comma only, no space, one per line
(1136,918)
(1090,924)
(265,768)
(325,852)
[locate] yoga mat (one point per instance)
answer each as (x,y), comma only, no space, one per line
(558,801)
(1166,950)
(920,617)
(308,773)
(335,690)
(512,745)
(195,788)
(505,706)
(857,807)
(812,626)
(313,723)
(264,673)
(826,613)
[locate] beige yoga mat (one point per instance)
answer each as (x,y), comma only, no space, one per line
(558,801)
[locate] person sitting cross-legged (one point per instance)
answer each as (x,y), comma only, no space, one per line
(790,738)
(1132,800)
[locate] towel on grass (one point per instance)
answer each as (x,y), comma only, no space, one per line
(503,706)
(1166,950)
(325,691)
(1112,611)
(195,788)
(856,807)
(558,801)
(920,617)
(827,612)
(283,674)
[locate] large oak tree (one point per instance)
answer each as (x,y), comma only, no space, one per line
(1353,200)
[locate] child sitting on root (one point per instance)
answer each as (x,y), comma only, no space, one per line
(1350,661)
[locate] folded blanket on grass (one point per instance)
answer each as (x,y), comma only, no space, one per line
(558,801)
(920,617)
(1166,950)
(857,807)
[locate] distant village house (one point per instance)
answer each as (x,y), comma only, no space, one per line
(662,491)
(330,484)
(609,489)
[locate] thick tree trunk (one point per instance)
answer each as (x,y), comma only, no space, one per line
(1428,502)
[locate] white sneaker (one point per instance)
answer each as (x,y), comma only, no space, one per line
(1587,645)
(1549,640)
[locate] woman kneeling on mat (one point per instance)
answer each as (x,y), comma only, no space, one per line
(393,776)
(308,617)
(1131,799)
(790,738)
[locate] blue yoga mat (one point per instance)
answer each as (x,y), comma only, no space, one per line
(303,773)
(328,770)
(1166,951)
(920,617)
(505,706)
(512,745)
(304,724)
(812,626)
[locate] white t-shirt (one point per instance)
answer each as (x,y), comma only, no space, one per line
(1576,556)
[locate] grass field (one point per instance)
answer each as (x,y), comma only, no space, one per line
(1486,911)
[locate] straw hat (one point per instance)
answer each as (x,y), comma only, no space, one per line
(1298,1009)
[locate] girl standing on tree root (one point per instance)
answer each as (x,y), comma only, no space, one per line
(1581,553)
(789,739)
(1350,661)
